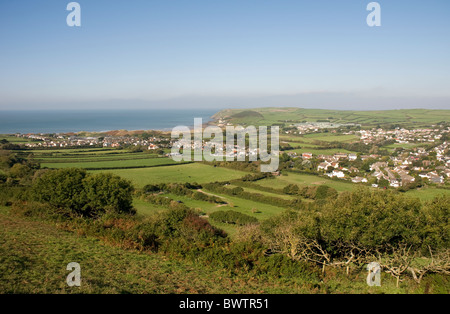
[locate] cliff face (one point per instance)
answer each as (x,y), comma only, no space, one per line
(223,114)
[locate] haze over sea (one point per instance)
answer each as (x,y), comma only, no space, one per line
(65,121)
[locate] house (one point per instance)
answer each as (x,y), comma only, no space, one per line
(394,183)
(378,174)
(307,155)
(336,173)
(352,157)
(335,165)
(359,180)
(436,179)
(323,166)
(341,156)
(377,165)
(406,179)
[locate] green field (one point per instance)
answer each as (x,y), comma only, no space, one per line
(15,139)
(316,151)
(306,179)
(329,137)
(127,163)
(427,194)
(194,172)
(392,147)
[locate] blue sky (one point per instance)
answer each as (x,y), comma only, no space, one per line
(228,53)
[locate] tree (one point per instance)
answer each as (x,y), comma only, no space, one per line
(107,192)
(89,195)
(61,188)
(20,171)
(383,183)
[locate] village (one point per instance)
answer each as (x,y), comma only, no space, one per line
(67,141)
(403,167)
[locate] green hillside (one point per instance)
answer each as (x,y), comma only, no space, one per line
(270,115)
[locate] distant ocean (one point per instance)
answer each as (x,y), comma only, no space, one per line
(64,121)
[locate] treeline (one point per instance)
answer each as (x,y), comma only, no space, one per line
(254,186)
(220,187)
(16,168)
(249,166)
(186,189)
(233,217)
(318,192)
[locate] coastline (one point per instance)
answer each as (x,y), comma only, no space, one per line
(99,121)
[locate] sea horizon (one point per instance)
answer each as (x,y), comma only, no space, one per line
(98,120)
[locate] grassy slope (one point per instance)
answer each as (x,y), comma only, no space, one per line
(34,256)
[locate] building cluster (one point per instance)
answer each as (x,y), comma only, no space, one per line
(400,135)
(218,152)
(309,127)
(64,141)
(414,163)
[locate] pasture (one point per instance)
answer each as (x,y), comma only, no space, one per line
(181,173)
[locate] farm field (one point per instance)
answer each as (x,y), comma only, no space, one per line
(324,137)
(427,194)
(14,139)
(96,158)
(392,147)
(316,151)
(306,179)
(127,163)
(193,172)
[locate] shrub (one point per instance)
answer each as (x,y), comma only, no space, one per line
(233,217)
(62,188)
(106,192)
(88,195)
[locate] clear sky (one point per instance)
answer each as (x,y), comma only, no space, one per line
(224,53)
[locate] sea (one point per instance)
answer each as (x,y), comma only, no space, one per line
(66,121)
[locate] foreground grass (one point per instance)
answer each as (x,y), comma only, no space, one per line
(34,255)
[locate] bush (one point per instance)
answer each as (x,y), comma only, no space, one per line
(11,194)
(106,192)
(361,226)
(88,195)
(61,189)
(233,217)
